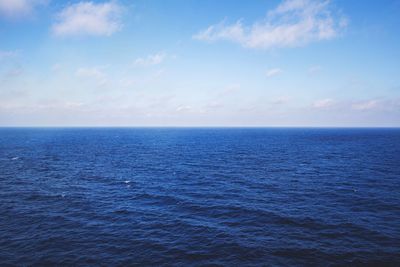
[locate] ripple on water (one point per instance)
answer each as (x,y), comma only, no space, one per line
(199,197)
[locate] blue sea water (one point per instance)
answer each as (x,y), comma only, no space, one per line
(199,196)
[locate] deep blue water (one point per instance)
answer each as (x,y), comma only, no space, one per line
(190,197)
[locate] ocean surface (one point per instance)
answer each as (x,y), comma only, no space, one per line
(199,196)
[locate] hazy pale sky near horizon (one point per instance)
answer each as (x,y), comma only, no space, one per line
(200,63)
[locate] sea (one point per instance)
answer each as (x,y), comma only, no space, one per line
(199,197)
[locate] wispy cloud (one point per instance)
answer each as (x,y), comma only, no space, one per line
(293,23)
(184,108)
(10,65)
(280,100)
(273,72)
(88,18)
(229,90)
(150,60)
(213,106)
(324,103)
(94,73)
(18,8)
(56,67)
(12,73)
(314,70)
(366,105)
(8,54)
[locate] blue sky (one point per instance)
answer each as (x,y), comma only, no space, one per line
(200,63)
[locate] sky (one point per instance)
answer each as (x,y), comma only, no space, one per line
(319,63)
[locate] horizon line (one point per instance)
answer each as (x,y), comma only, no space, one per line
(197,126)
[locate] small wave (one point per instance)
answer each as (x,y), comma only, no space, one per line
(15,158)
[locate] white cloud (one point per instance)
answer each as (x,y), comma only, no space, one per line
(89,72)
(293,23)
(18,8)
(88,18)
(183,109)
(150,60)
(273,72)
(234,32)
(324,103)
(367,105)
(214,105)
(93,73)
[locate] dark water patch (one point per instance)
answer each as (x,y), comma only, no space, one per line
(195,197)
